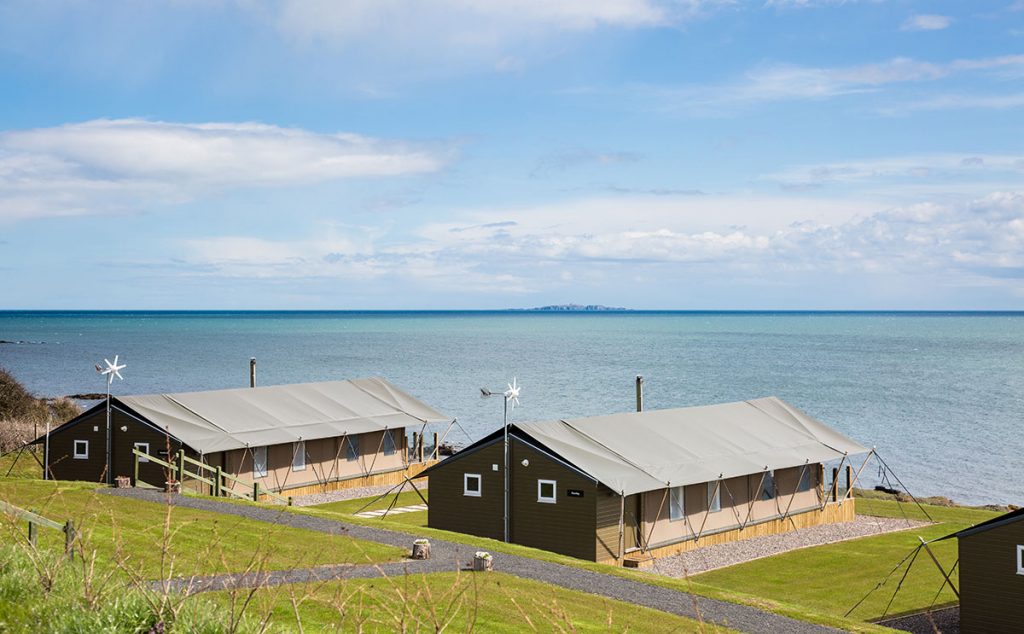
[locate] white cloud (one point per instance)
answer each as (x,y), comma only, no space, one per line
(905,169)
(105,165)
(926,22)
(551,246)
(781,82)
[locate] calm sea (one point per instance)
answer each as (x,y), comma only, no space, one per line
(940,395)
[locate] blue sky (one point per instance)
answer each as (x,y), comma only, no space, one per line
(393,154)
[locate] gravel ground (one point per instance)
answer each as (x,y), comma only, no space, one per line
(709,558)
(450,556)
(944,621)
(349,494)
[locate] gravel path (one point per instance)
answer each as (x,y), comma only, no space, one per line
(709,558)
(944,620)
(350,494)
(450,556)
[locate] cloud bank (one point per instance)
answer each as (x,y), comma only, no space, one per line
(109,165)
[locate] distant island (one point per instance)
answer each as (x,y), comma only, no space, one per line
(574,308)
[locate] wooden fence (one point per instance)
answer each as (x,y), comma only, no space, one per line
(217,479)
(35,521)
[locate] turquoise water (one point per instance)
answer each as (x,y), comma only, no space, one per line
(940,395)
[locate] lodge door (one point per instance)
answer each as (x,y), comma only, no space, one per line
(632,521)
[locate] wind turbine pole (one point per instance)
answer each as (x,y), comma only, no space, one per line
(110,379)
(506,467)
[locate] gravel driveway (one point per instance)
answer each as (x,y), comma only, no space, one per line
(709,558)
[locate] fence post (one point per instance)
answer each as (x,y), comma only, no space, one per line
(32,531)
(216,483)
(69,539)
(835,483)
(135,482)
(181,467)
(437,451)
(289,500)
(255,491)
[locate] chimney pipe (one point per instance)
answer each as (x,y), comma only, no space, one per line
(252,372)
(639,393)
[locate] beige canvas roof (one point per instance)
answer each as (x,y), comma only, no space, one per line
(645,451)
(231,419)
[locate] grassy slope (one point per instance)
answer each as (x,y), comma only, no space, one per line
(816,584)
(415,523)
(831,579)
(408,498)
(491,602)
(200,541)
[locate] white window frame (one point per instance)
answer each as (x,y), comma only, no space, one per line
(352,452)
(144,448)
(553,498)
(767,491)
(479,484)
(389,443)
(81,455)
(676,504)
(714,497)
(1020,560)
(299,456)
(256,473)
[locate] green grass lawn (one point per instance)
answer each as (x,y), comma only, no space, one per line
(131,533)
(815,584)
(407,498)
(24,467)
(831,579)
(486,602)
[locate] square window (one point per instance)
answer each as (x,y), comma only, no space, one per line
(471,484)
(676,503)
(389,443)
(259,462)
(299,456)
(714,497)
(144,448)
(546,491)
(82,449)
(1020,560)
(352,453)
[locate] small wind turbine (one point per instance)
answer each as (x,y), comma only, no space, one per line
(511,397)
(112,370)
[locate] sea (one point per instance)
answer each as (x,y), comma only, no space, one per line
(939,395)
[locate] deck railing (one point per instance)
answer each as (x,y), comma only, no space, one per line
(35,521)
(216,480)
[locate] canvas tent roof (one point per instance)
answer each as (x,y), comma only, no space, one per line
(232,419)
(645,451)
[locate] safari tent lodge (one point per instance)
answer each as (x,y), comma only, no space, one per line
(626,488)
(291,439)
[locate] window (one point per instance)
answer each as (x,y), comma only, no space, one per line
(299,456)
(82,449)
(389,443)
(1020,560)
(352,453)
(546,491)
(259,462)
(768,488)
(676,503)
(805,480)
(144,448)
(471,484)
(714,497)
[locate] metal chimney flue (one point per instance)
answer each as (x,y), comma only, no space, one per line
(252,372)
(639,393)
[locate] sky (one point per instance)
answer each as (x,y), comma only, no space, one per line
(485,154)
